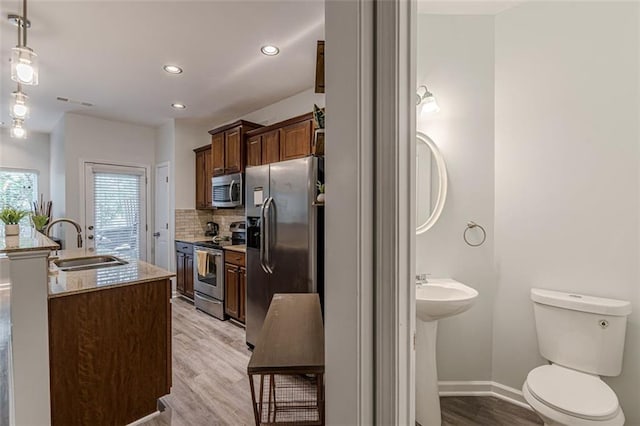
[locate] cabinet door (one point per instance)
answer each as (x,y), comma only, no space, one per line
(231,295)
(295,141)
(254,151)
(188,275)
(217,154)
(208,174)
(271,147)
(180,272)
(242,283)
(233,151)
(200,179)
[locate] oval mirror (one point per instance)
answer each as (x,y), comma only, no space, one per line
(431,183)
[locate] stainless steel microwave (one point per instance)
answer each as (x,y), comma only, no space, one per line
(227,190)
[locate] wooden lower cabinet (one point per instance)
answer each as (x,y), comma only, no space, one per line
(235,285)
(184,269)
(109,354)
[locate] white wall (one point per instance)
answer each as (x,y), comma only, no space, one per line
(455,60)
(95,139)
(292,106)
(30,153)
(188,135)
(57,171)
(166,152)
(567,167)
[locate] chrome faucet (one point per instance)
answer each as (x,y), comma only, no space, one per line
(73,222)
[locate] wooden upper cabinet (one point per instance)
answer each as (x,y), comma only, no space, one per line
(295,141)
(202,173)
(254,151)
(208,174)
(271,147)
(228,153)
(233,151)
(217,154)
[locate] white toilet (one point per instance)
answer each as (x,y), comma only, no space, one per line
(583,337)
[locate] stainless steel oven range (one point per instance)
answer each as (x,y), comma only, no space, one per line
(208,280)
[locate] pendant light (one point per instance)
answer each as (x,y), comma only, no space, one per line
(17,129)
(19,108)
(24,61)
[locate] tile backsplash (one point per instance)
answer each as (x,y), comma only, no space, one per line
(191,223)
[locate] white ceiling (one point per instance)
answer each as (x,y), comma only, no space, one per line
(465,7)
(110,53)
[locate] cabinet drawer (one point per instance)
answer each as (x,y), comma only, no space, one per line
(185,248)
(234,257)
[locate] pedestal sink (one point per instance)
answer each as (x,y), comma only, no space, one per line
(437,299)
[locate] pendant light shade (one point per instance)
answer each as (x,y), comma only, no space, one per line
(24,66)
(17,129)
(19,108)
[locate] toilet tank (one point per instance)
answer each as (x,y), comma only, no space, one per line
(581,332)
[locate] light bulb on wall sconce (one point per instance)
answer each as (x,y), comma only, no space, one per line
(19,108)
(17,129)
(426,101)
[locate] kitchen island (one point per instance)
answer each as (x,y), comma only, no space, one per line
(109,341)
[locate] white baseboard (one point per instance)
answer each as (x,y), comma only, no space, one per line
(483,388)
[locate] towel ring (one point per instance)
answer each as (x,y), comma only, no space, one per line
(471,225)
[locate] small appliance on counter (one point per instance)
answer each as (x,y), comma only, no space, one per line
(212,229)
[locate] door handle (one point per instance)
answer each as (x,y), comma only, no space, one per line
(231,190)
(156,234)
(90,227)
(90,237)
(261,231)
(267,215)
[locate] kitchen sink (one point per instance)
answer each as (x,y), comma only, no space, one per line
(90,262)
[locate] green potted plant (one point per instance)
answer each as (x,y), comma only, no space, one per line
(11,217)
(39,221)
(320,197)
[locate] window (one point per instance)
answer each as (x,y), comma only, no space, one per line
(19,189)
(116,209)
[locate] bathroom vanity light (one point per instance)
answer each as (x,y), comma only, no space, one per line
(426,100)
(19,108)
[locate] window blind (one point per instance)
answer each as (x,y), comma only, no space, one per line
(117,198)
(18,189)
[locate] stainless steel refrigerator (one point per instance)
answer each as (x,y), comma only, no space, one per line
(284,235)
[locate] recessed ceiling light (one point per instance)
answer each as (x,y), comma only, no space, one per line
(172,69)
(176,105)
(269,50)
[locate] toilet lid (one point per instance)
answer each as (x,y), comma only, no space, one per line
(572,392)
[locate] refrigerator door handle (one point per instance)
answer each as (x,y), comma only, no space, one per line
(262,264)
(267,215)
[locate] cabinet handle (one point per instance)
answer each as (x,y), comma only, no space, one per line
(218,168)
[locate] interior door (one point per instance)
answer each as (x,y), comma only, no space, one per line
(161,232)
(116,210)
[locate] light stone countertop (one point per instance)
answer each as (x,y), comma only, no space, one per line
(242,248)
(72,282)
(28,240)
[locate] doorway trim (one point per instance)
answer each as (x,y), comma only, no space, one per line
(395,212)
(82,199)
(170,245)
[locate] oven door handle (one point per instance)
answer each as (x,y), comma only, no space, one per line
(262,237)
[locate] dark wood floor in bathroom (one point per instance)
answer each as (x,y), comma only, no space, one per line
(210,386)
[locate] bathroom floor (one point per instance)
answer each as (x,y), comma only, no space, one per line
(484,411)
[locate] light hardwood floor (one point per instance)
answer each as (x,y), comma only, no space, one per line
(210,384)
